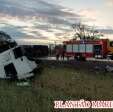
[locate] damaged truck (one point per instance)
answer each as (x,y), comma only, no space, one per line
(13,64)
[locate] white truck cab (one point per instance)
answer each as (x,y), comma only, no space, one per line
(14,65)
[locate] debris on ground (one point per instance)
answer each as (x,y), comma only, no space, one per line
(99,68)
(109,68)
(23,84)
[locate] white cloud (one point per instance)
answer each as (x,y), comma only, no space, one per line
(89,13)
(38,19)
(34,19)
(109,3)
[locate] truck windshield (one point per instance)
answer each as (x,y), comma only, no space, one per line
(18,52)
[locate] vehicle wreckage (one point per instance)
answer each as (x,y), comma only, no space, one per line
(15,65)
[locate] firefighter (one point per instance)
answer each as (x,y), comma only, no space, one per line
(57,54)
(62,53)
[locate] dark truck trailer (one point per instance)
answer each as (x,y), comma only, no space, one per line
(35,51)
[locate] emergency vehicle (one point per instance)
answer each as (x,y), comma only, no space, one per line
(82,49)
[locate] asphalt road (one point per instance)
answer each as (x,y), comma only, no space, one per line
(88,59)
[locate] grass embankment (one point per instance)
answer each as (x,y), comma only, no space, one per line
(56,83)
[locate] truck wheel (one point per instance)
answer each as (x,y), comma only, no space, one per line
(81,58)
(76,58)
(68,58)
(111,57)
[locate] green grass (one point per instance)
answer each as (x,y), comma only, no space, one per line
(56,84)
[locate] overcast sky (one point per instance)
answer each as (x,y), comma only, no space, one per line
(34,21)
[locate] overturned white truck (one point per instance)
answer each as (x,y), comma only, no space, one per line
(14,65)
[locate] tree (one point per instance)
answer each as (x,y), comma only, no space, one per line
(6,42)
(4,36)
(85,32)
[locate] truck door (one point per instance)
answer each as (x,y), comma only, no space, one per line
(98,51)
(10,71)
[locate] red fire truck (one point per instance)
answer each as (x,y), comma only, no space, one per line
(82,49)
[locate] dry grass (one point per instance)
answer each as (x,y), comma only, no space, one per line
(56,84)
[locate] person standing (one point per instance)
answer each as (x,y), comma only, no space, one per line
(57,54)
(62,53)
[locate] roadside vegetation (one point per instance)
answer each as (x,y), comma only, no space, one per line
(56,83)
